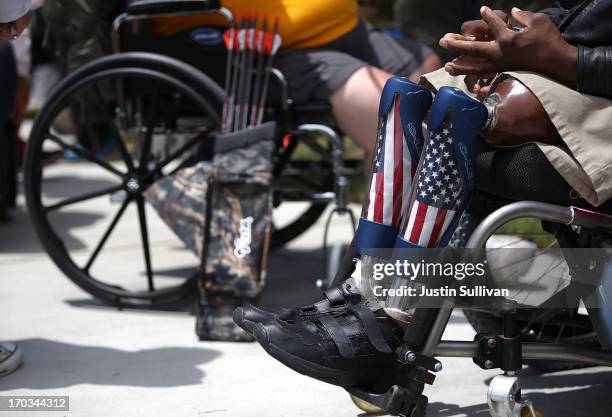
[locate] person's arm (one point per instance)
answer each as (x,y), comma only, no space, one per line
(537,47)
(595,71)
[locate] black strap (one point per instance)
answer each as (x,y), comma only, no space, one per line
(229,141)
(372,329)
(335,296)
(338,336)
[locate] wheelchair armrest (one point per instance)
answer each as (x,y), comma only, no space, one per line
(162,7)
(557,214)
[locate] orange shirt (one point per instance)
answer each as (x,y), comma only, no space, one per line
(302,23)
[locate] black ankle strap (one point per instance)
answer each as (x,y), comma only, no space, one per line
(335,296)
(372,328)
(335,299)
(338,336)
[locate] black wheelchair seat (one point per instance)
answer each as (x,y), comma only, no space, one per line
(524,173)
(211,58)
(161,7)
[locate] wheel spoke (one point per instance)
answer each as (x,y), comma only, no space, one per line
(146,145)
(85,154)
(106,235)
(144,234)
(81,198)
(125,155)
(188,145)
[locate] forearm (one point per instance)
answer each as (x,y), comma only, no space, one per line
(562,65)
(594,71)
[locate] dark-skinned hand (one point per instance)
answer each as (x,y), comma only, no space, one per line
(476,30)
(537,47)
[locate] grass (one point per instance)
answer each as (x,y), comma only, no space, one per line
(530,229)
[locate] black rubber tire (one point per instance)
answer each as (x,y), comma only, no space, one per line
(163,67)
(212,93)
(490,324)
(203,91)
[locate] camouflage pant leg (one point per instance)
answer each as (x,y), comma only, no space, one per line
(238,233)
(224,215)
(215,319)
(180,201)
(240,221)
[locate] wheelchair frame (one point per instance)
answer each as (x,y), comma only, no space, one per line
(140,11)
(340,193)
(488,352)
(206,96)
(505,351)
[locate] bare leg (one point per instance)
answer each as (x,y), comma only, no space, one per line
(355,107)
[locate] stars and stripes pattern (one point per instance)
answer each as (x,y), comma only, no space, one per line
(392,171)
(437,197)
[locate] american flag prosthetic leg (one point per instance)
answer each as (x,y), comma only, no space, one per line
(444,182)
(399,141)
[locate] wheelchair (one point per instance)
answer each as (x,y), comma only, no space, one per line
(141,114)
(549,337)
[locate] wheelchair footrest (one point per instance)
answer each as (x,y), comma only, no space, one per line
(397,401)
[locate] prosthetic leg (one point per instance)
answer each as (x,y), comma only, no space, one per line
(441,191)
(445,181)
(399,141)
(361,348)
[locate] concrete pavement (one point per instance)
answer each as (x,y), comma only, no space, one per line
(141,363)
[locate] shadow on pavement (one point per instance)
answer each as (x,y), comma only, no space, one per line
(440,409)
(561,394)
(290,282)
(50,364)
(291,279)
(18,235)
(63,186)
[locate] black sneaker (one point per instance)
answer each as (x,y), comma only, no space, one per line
(336,301)
(353,349)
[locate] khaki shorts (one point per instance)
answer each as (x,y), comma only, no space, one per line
(584,123)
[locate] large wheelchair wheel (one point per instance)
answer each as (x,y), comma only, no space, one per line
(121,123)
